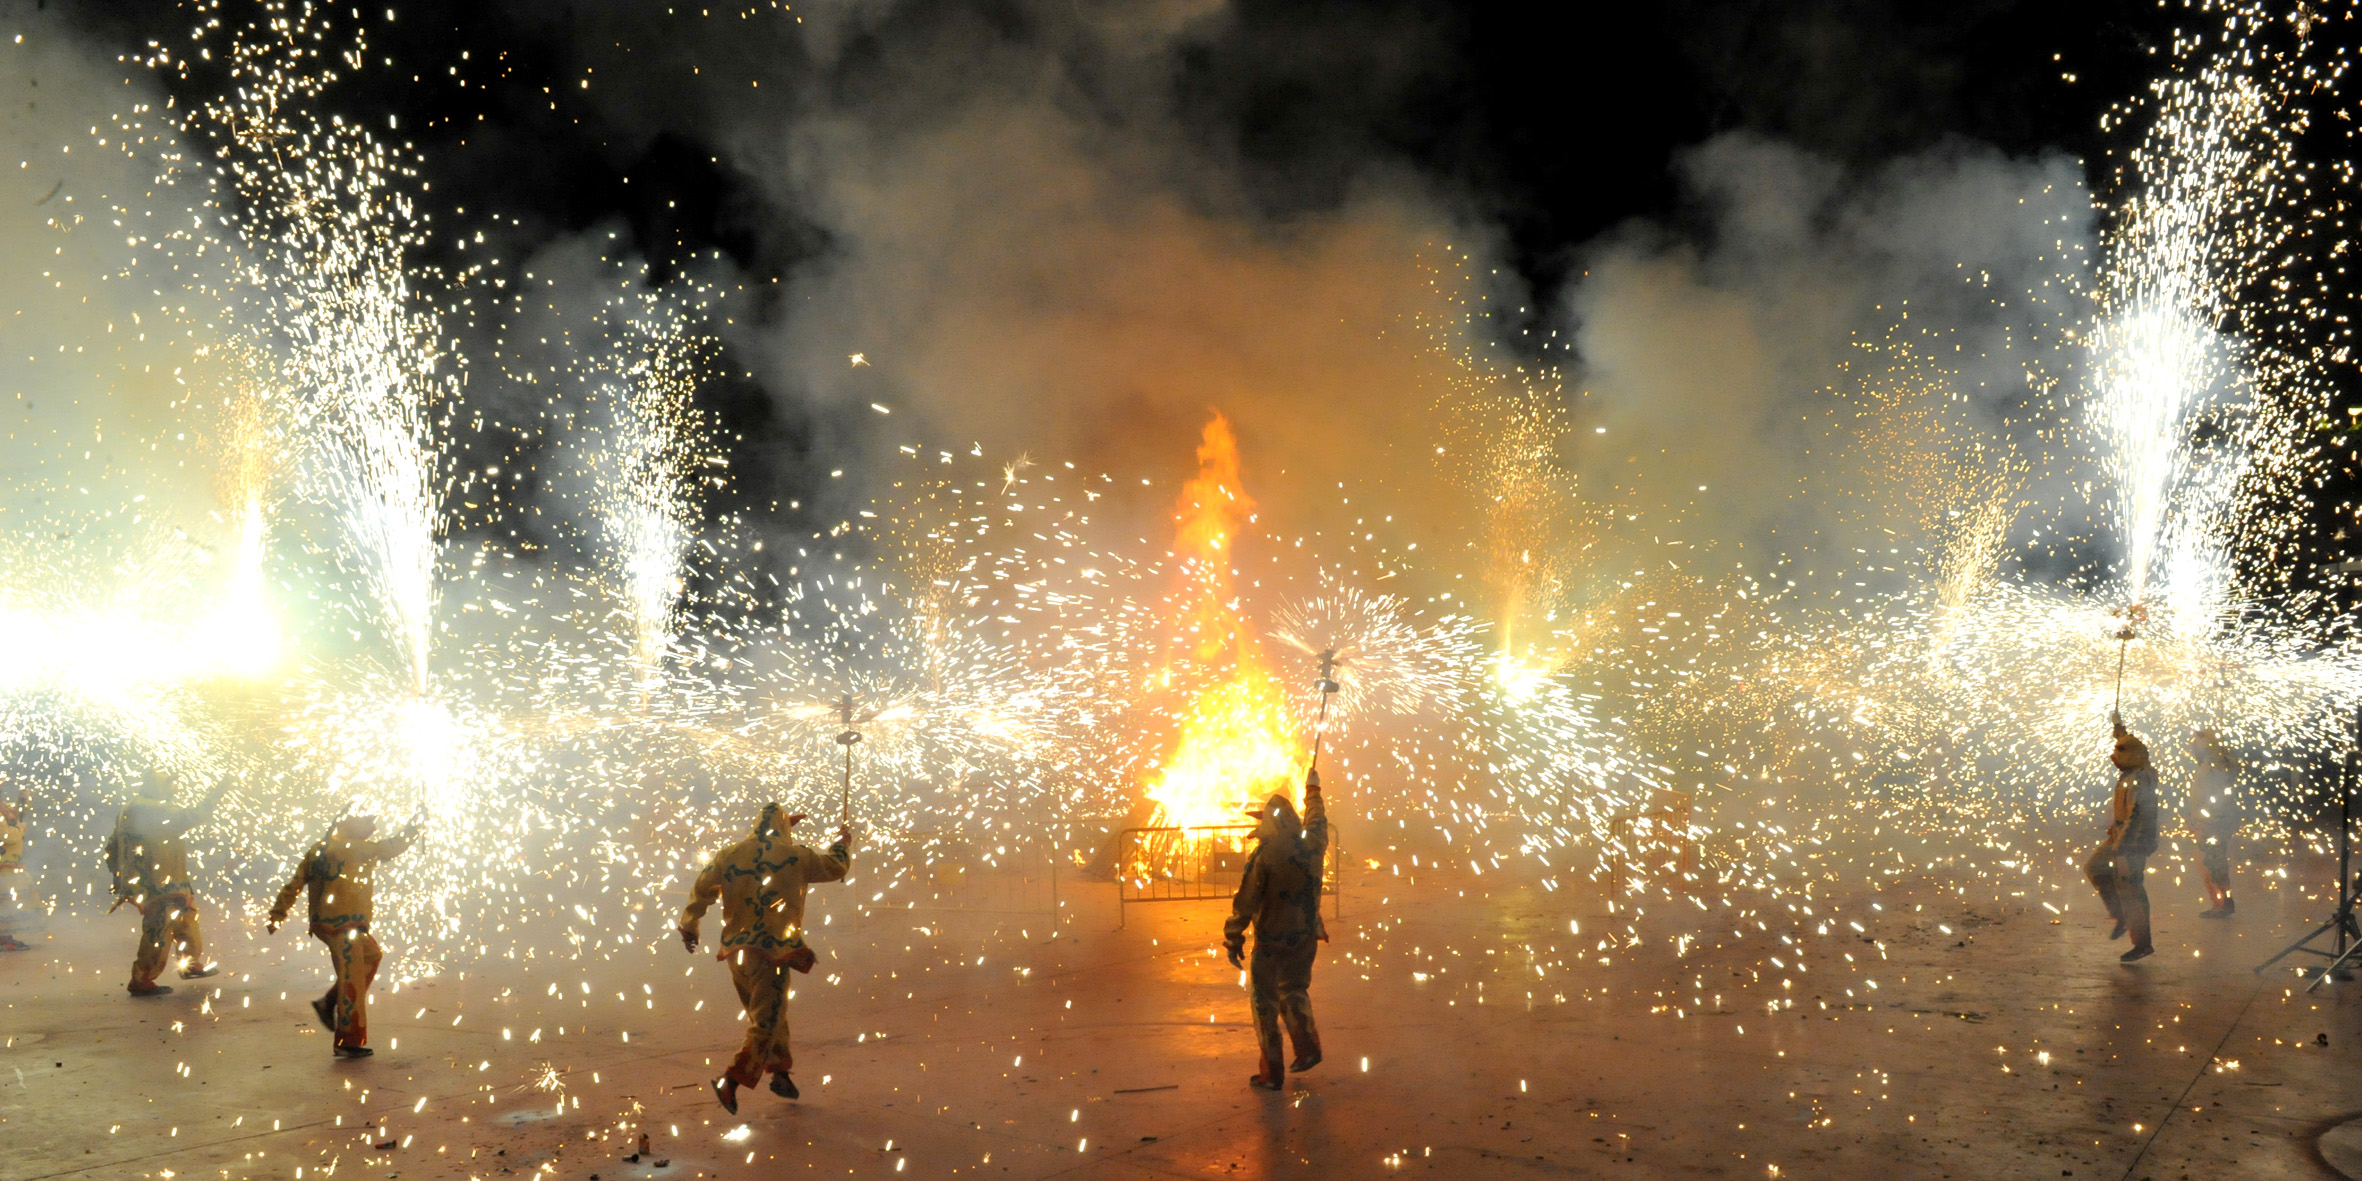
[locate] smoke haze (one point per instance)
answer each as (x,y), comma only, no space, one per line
(1741,350)
(1060,231)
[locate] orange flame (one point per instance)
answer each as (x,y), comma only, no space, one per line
(1236,743)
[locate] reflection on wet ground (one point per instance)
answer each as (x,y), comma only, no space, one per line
(1962,1030)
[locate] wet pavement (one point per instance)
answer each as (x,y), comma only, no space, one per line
(1979,1027)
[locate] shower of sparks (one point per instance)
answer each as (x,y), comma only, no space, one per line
(649,500)
(318,203)
(2191,389)
(579,721)
(1387,664)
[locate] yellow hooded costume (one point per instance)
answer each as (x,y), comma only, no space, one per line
(1279,896)
(150,864)
(339,880)
(760,883)
(2118,869)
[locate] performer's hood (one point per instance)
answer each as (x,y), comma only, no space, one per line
(152,787)
(774,822)
(350,829)
(1278,816)
(2131,754)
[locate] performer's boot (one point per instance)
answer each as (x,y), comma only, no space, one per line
(726,1090)
(783,1086)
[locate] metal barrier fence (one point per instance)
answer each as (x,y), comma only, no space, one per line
(1198,863)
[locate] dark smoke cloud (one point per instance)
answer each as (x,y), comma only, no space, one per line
(1074,229)
(1736,352)
(1037,239)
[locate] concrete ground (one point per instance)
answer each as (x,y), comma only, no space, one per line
(1473,1028)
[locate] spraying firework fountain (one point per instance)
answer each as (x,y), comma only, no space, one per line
(990,664)
(1005,653)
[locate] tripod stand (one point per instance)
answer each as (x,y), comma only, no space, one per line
(2349,933)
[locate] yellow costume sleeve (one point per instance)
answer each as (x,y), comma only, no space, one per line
(702,895)
(295,885)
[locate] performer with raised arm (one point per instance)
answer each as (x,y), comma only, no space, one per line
(338,877)
(1279,896)
(2118,869)
(760,883)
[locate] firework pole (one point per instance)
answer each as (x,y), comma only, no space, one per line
(1328,688)
(2133,614)
(847,738)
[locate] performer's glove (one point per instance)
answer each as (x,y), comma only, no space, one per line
(1312,779)
(689,938)
(273,925)
(1238,955)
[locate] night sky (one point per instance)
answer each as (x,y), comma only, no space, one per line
(1558,125)
(1549,132)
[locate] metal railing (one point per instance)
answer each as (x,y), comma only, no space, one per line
(1199,863)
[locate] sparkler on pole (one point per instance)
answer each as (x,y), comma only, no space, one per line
(847,738)
(1328,688)
(2133,614)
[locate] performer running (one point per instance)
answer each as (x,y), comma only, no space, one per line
(760,882)
(2214,818)
(12,862)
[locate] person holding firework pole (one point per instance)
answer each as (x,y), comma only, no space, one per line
(760,883)
(2118,869)
(1279,896)
(338,877)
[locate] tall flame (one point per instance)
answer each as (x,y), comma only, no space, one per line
(1236,743)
